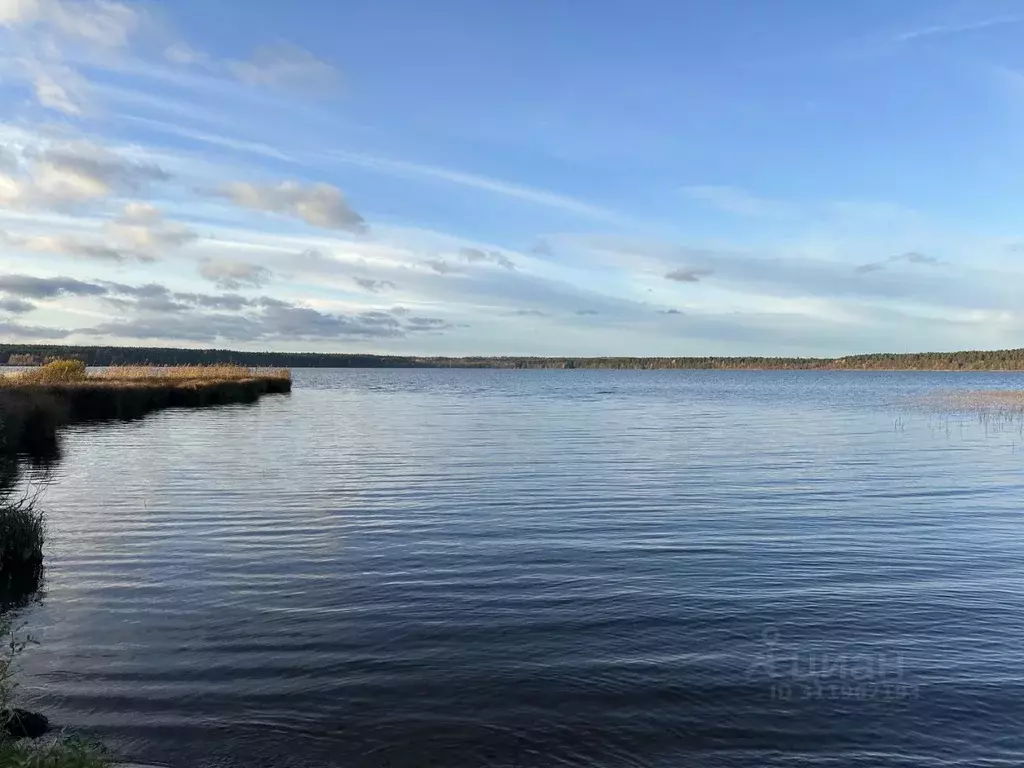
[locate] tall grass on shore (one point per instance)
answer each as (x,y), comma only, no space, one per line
(61,754)
(180,373)
(22,535)
(75,372)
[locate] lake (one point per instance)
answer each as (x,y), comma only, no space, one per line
(544,568)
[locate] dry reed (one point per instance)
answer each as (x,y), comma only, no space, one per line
(34,403)
(187,373)
(978,401)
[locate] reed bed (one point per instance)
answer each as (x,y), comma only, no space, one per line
(133,373)
(75,372)
(994,398)
(983,401)
(35,403)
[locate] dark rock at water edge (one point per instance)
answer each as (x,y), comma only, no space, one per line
(21,724)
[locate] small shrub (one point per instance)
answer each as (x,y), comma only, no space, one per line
(22,535)
(58,372)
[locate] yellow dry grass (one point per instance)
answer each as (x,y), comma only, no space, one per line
(187,373)
(64,372)
(34,404)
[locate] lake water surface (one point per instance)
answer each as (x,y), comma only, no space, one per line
(544,568)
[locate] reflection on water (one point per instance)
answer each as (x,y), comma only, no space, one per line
(541,568)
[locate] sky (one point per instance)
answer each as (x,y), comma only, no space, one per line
(550,177)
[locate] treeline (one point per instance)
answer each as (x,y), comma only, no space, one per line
(37,354)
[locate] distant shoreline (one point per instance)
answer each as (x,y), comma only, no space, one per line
(994,361)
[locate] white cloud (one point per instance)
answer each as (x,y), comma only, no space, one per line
(56,183)
(44,32)
(8,161)
(233,274)
(75,173)
(485,183)
(139,234)
(10,189)
(951,29)
(184,54)
(66,245)
(14,12)
(286,66)
(142,227)
(282,66)
(101,22)
(60,88)
(136,212)
(321,205)
(737,201)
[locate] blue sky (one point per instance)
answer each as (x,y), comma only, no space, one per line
(456,177)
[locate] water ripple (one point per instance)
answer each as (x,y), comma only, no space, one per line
(544,568)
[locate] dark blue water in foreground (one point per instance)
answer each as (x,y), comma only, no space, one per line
(488,568)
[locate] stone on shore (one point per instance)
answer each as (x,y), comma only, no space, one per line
(22,724)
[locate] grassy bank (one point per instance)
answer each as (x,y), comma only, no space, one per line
(62,754)
(34,404)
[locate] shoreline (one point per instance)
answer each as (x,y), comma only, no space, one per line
(759,368)
(33,409)
(1002,360)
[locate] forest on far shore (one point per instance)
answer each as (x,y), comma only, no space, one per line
(36,354)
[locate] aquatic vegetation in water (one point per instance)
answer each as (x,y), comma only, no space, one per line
(988,406)
(986,399)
